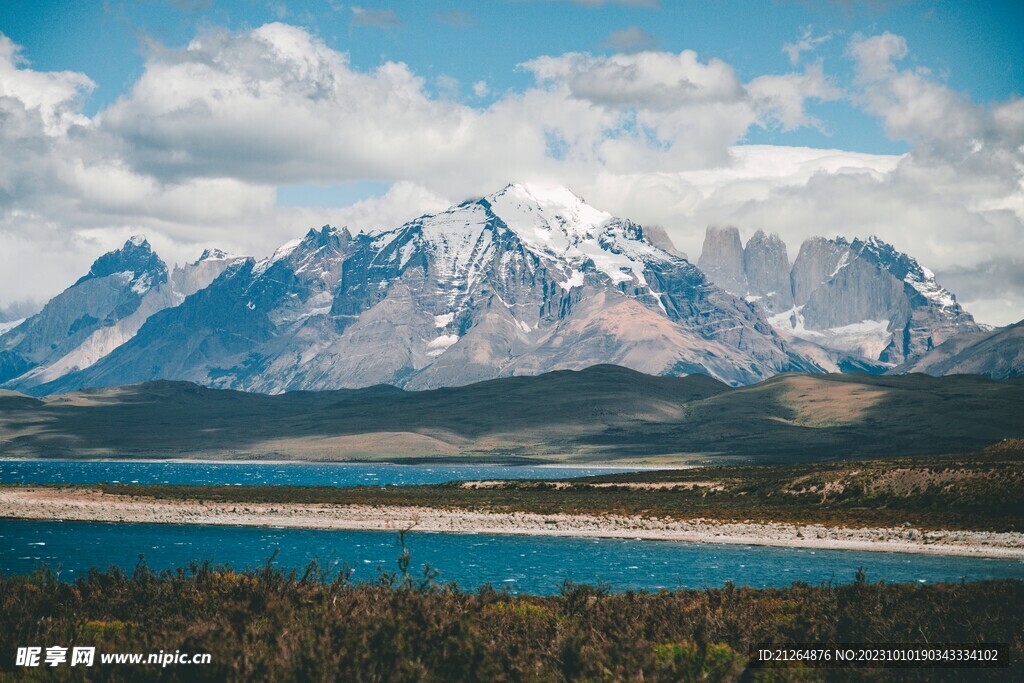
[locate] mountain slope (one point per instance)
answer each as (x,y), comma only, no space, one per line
(110,292)
(181,283)
(998,354)
(526,280)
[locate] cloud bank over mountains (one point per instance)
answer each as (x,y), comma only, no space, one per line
(194,151)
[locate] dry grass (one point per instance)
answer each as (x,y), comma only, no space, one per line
(269,626)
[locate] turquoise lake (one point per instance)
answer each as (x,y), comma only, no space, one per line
(519,563)
(270,474)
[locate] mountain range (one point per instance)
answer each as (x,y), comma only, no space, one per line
(525,281)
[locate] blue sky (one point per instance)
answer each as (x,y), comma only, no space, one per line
(902,118)
(974,47)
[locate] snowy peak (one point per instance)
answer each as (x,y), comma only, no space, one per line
(299,253)
(112,290)
(567,235)
(537,212)
(560,227)
(525,280)
(135,262)
(904,267)
(213,255)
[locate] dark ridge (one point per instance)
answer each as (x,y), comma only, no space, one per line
(602,413)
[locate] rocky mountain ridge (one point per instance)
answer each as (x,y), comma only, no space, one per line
(862,297)
(100,311)
(524,281)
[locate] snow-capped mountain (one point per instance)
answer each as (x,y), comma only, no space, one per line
(101,311)
(862,297)
(523,281)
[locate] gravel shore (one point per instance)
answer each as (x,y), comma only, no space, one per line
(95,506)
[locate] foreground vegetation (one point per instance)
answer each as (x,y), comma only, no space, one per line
(268,625)
(983,491)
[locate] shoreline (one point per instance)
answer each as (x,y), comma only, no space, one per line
(597,465)
(95,506)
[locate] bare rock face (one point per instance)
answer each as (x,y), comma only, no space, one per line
(818,260)
(766,265)
(721,259)
(933,314)
(658,237)
(858,291)
(758,272)
(876,301)
(875,306)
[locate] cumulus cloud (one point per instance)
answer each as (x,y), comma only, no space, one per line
(677,111)
(193,152)
(649,80)
(402,202)
(937,120)
(278,105)
(53,96)
(783,97)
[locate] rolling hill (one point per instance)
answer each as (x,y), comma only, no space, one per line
(603,413)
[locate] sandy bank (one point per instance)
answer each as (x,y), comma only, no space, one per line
(85,505)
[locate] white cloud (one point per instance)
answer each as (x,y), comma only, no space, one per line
(52,95)
(651,80)
(447,86)
(874,56)
(675,110)
(808,42)
(783,97)
(402,202)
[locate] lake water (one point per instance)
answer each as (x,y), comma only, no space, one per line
(261,474)
(519,563)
